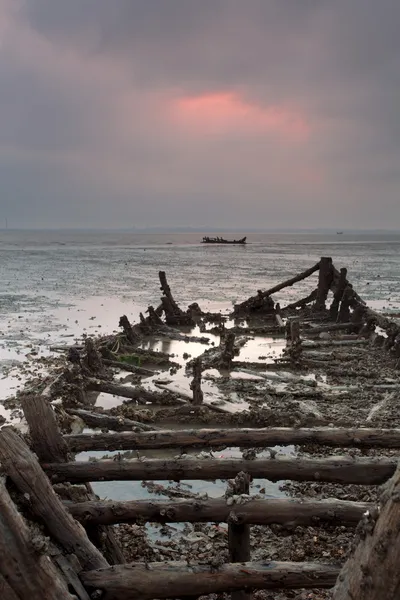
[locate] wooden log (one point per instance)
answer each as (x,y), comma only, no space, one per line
(195,385)
(372,571)
(24,572)
(325,279)
(289,282)
(334,343)
(228,350)
(281,511)
(48,442)
(98,420)
(310,331)
(242,438)
(361,471)
(123,366)
(138,393)
(49,445)
(22,467)
(177,579)
(339,287)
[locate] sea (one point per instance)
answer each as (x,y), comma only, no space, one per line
(57,285)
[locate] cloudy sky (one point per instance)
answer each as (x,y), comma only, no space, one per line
(233,113)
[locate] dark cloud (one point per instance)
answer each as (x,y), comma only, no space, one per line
(93,118)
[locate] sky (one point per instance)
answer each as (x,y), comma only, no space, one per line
(225,113)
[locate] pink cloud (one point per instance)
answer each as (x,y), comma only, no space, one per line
(226,112)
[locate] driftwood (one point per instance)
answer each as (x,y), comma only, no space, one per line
(177,579)
(22,467)
(99,420)
(242,438)
(371,471)
(372,571)
(255,300)
(310,331)
(24,572)
(281,511)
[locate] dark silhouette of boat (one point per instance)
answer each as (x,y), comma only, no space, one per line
(218,240)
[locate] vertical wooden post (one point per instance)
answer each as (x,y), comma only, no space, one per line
(195,386)
(324,282)
(344,310)
(24,573)
(337,296)
(372,571)
(50,446)
(239,534)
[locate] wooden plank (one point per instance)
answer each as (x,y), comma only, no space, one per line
(24,573)
(280,511)
(372,571)
(361,471)
(242,438)
(22,467)
(177,579)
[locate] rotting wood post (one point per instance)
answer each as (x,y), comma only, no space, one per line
(21,465)
(25,569)
(338,294)
(239,533)
(195,385)
(173,314)
(372,571)
(49,444)
(130,335)
(325,278)
(344,309)
(92,360)
(228,351)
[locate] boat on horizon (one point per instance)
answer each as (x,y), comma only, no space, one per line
(219,240)
(339,233)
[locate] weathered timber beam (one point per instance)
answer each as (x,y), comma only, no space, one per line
(47,439)
(20,464)
(242,438)
(48,443)
(105,421)
(371,471)
(176,579)
(372,571)
(24,573)
(281,511)
(329,327)
(139,394)
(277,288)
(123,366)
(302,302)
